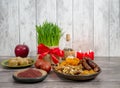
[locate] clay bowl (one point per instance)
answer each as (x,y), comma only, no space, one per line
(30,80)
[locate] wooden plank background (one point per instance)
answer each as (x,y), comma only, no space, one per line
(101,27)
(92,24)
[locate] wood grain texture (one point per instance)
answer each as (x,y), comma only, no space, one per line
(114,27)
(108,78)
(27,24)
(63,85)
(83,25)
(9,30)
(101,27)
(92,24)
(64,19)
(46,10)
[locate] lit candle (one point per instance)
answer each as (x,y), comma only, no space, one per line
(80,55)
(86,55)
(91,54)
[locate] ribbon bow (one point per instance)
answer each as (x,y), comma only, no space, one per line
(44,50)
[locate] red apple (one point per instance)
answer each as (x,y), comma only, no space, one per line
(21,50)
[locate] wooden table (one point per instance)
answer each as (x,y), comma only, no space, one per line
(108,78)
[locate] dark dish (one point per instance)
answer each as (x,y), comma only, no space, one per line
(75,69)
(77,77)
(31,75)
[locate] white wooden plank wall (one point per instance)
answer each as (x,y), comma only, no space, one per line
(9,26)
(64,19)
(92,24)
(27,24)
(46,10)
(115,27)
(101,27)
(83,25)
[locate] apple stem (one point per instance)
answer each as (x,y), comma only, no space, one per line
(23,43)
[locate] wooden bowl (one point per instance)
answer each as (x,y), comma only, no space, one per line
(77,77)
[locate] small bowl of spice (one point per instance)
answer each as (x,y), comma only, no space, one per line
(30,75)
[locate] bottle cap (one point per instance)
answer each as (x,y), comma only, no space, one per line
(67,37)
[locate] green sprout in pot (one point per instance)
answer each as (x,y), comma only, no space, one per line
(48,33)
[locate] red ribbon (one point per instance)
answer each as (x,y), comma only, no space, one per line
(44,50)
(82,55)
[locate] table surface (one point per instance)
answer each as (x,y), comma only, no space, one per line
(108,78)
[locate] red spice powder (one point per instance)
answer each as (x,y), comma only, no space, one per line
(29,73)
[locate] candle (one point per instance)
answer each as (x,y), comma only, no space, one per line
(80,55)
(86,55)
(91,54)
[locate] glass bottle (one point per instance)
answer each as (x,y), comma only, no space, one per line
(68,51)
(68,42)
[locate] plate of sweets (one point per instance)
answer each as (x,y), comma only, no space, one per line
(18,62)
(76,69)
